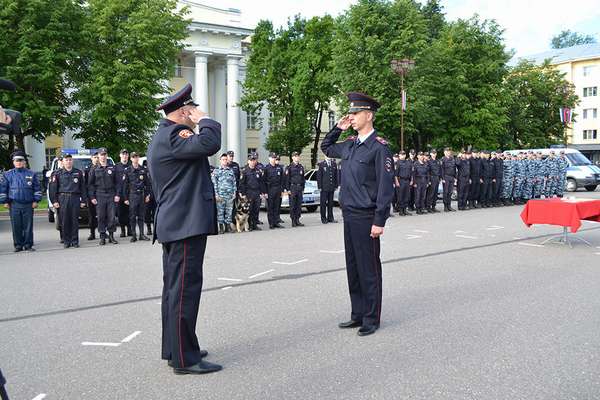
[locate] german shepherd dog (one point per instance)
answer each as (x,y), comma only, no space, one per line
(242,214)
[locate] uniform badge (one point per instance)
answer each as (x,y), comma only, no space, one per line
(53,179)
(278,172)
(388,164)
(75,180)
(109,172)
(29,183)
(185,133)
(258,174)
(141,177)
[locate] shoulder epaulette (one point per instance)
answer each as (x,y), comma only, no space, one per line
(381,140)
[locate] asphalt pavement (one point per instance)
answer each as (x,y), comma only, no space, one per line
(474,307)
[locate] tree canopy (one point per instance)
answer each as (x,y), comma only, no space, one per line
(568,38)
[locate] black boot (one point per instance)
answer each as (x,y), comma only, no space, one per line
(128,230)
(149,229)
(111,238)
(406,212)
(227,228)
(102,239)
(92,236)
(133,238)
(123,234)
(221,229)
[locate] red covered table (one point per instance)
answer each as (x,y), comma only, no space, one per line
(567,213)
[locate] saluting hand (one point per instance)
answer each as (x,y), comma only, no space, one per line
(344,123)
(94,201)
(147,200)
(126,202)
(376,231)
(56,205)
(196,114)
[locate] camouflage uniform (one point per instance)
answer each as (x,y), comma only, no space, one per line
(538,189)
(563,164)
(530,173)
(508,182)
(552,182)
(519,174)
(225,186)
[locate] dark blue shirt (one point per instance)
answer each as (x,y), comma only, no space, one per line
(20,185)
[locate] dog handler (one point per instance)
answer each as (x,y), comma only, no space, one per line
(185,216)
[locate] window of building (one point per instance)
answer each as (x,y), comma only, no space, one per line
(590,134)
(589,70)
(252,121)
(178,69)
(590,91)
(590,113)
(331,120)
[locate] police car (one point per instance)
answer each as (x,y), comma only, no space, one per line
(81,160)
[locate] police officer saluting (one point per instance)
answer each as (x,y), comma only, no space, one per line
(295,185)
(105,191)
(20,190)
(69,196)
(365,196)
(327,182)
(136,190)
(185,215)
(275,180)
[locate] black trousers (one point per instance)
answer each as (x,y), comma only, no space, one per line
(420,195)
(462,191)
(448,189)
(363,268)
(274,205)
(411,196)
(254,203)
(296,202)
(474,189)
(498,190)
(150,208)
(403,191)
(93,217)
(486,195)
(182,288)
(326,206)
(106,212)
(432,192)
(69,214)
(122,213)
(137,212)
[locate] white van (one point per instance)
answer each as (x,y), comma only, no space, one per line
(581,172)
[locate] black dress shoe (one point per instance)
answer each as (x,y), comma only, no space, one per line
(18,249)
(29,249)
(203,367)
(299,223)
(92,236)
(332,221)
(278,226)
(367,330)
(203,353)
(324,221)
(66,245)
(76,245)
(102,242)
(133,239)
(146,238)
(349,324)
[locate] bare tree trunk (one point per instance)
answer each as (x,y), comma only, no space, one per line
(317,126)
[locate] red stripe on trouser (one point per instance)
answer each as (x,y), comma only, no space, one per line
(181,304)
(377,281)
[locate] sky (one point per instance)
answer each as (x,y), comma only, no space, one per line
(529,24)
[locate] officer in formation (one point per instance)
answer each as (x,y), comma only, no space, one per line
(487,180)
(448,178)
(421,181)
(20,190)
(68,194)
(435,171)
(51,194)
(295,186)
(253,187)
(403,181)
(122,209)
(224,182)
(185,217)
(275,181)
(137,192)
(463,167)
(499,177)
(93,216)
(366,193)
(105,192)
(327,183)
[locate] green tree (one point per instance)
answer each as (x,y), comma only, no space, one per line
(433,13)
(535,95)
(41,41)
(131,50)
(568,39)
(368,36)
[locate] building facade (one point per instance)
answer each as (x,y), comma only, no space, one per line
(581,66)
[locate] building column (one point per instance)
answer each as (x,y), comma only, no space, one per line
(37,153)
(201,81)
(220,97)
(233,109)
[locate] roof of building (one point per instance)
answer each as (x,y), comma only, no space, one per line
(559,56)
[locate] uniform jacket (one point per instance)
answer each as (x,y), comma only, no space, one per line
(224,181)
(404,169)
(421,172)
(68,182)
(20,186)
(327,176)
(475,168)
(181,181)
(294,174)
(449,166)
(274,177)
(104,180)
(464,168)
(436,168)
(367,174)
(252,180)
(137,180)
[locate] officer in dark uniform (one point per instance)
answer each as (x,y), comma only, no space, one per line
(327,182)
(186,214)
(93,216)
(476,181)
(420,178)
(123,209)
(252,185)
(3,394)
(68,197)
(498,175)
(366,193)
(105,191)
(487,175)
(404,173)
(136,190)
(275,181)
(435,169)
(235,167)
(295,185)
(449,176)
(412,157)
(464,179)
(52,193)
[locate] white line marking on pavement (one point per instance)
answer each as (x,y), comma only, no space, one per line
(466,237)
(130,337)
(40,396)
(494,228)
(229,279)
(411,237)
(517,238)
(331,251)
(420,231)
(260,273)
(227,288)
(106,344)
(459,232)
(290,263)
(530,244)
(492,235)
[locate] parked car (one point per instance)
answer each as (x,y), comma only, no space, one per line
(81,160)
(311,197)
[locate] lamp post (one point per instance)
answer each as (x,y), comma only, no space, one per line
(401,67)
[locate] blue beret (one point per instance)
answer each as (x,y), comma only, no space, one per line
(362,102)
(182,98)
